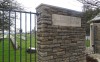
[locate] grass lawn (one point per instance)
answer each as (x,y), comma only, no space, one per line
(25,57)
(87,43)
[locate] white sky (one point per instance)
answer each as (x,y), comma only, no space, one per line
(30,5)
(70,4)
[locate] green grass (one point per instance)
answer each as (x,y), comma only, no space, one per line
(12,50)
(27,41)
(87,43)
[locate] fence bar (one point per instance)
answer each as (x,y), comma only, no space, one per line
(15,40)
(9,38)
(30,37)
(35,37)
(3,38)
(20,37)
(25,37)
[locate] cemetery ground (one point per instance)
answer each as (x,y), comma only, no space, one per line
(24,55)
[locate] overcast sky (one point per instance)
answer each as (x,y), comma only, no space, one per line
(30,5)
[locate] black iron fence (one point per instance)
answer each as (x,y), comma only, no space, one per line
(17,36)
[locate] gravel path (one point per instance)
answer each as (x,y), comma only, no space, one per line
(89,51)
(96,56)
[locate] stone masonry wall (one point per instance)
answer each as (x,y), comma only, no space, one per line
(96,40)
(59,43)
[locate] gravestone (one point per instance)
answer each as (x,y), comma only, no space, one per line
(23,37)
(1,34)
(60,35)
(31,50)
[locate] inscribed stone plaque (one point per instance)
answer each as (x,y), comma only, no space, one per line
(63,20)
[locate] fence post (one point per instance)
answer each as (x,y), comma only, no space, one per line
(60,42)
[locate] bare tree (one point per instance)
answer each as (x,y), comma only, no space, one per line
(90,4)
(90,9)
(4,16)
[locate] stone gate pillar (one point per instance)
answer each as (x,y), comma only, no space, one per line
(61,35)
